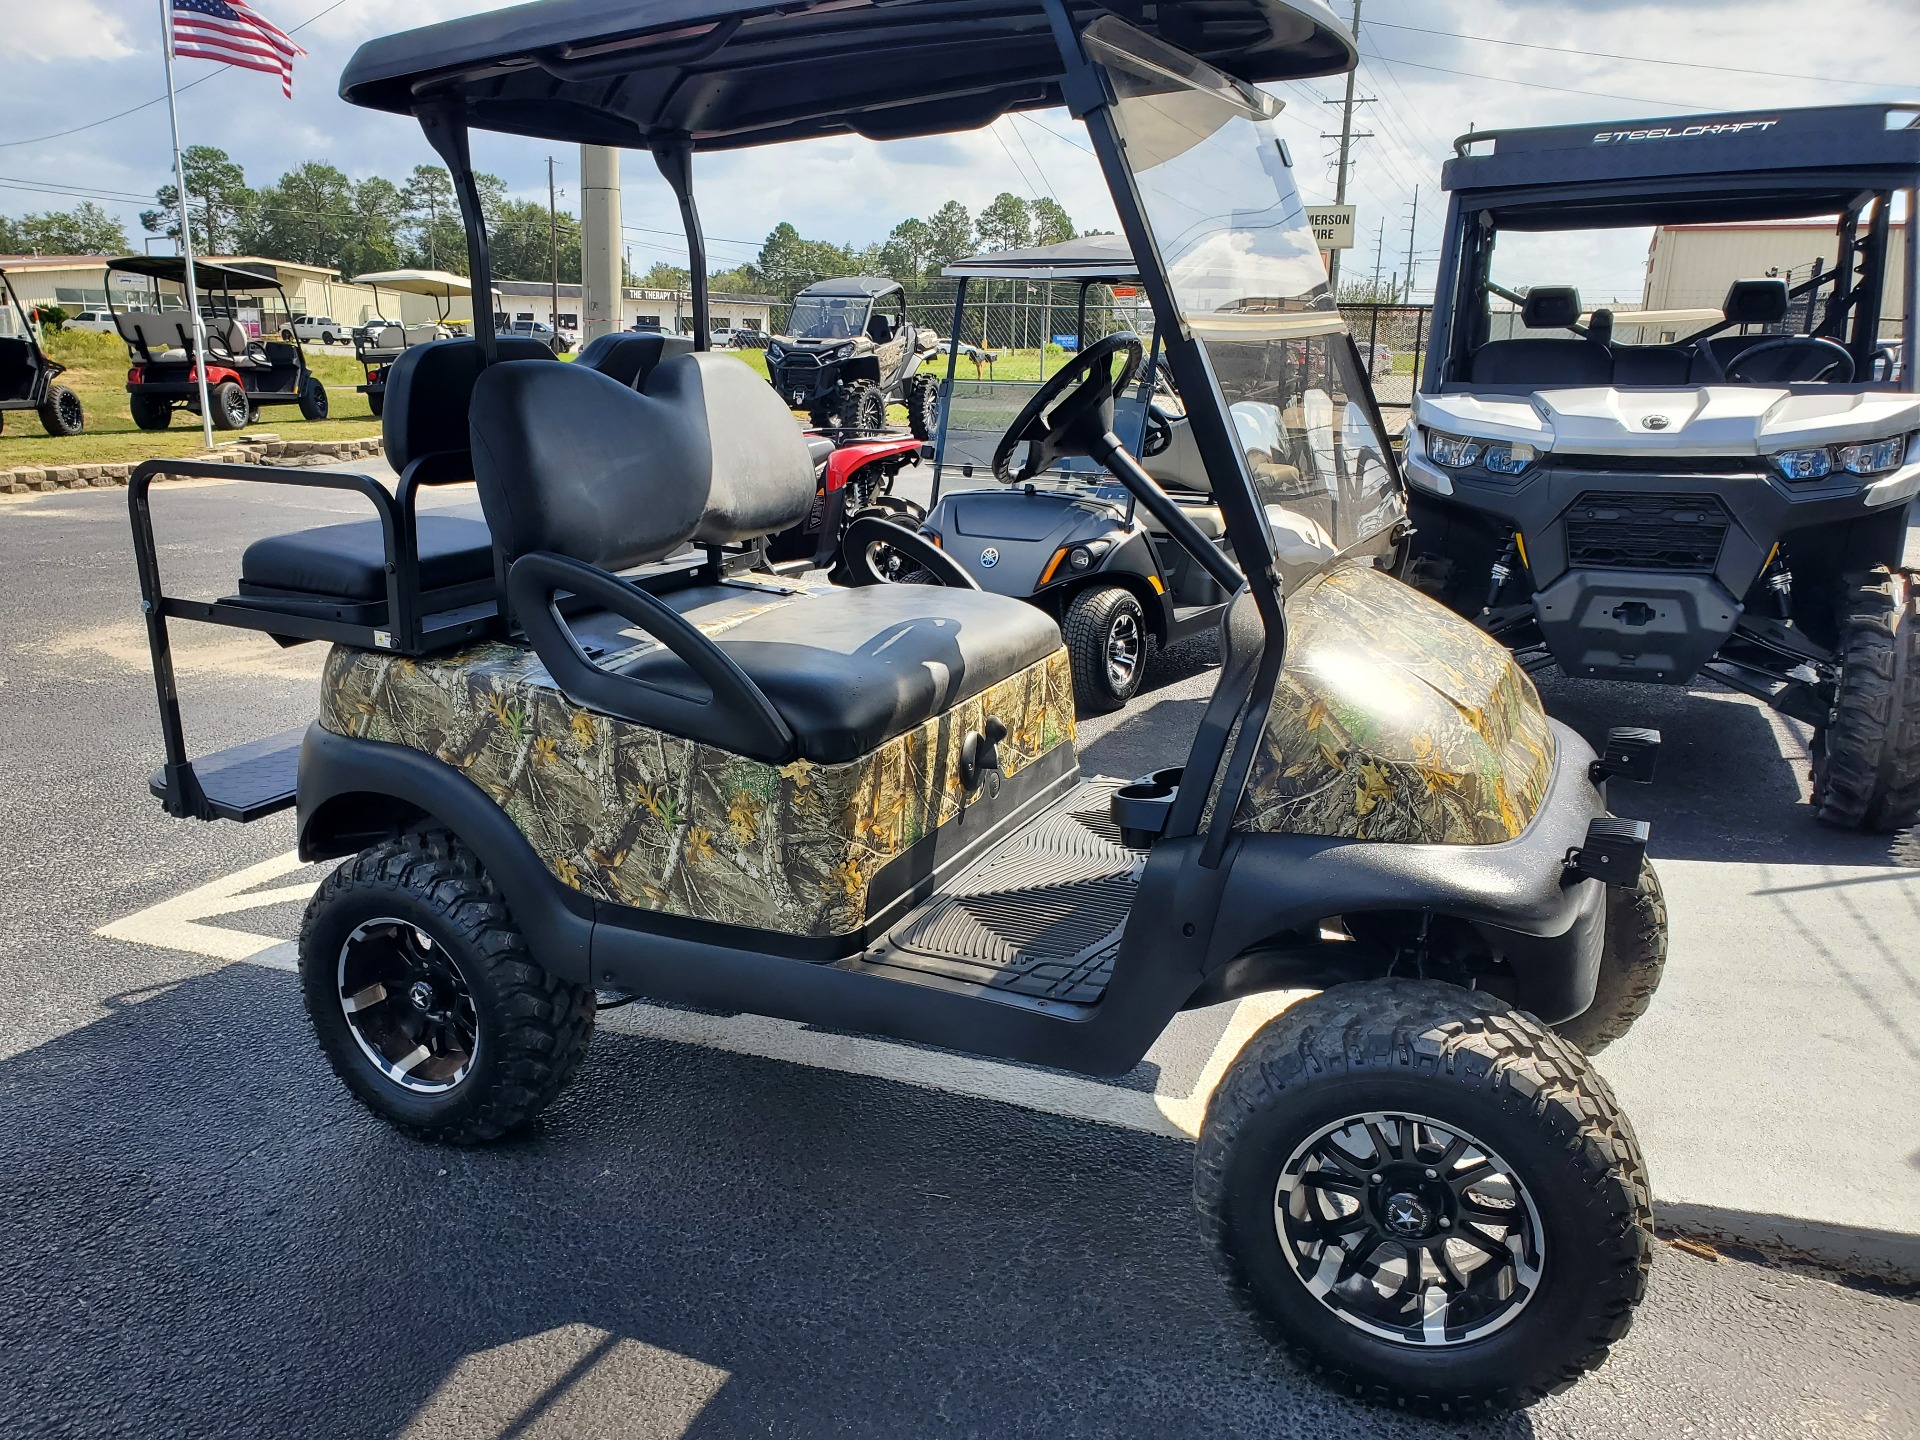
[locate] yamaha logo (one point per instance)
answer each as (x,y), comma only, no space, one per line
(1655,422)
(989,557)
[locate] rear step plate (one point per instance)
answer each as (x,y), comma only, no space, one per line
(247,781)
(1041,915)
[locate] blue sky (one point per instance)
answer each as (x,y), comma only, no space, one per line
(1433,68)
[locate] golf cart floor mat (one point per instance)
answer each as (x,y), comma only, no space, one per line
(634,816)
(1395,719)
(1040,915)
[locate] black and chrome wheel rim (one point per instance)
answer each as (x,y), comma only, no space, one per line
(239,412)
(1409,1229)
(1123,650)
(408,1006)
(67,406)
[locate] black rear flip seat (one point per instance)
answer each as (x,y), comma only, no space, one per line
(571,464)
(338,572)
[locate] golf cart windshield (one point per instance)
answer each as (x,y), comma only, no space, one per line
(829,317)
(1217,190)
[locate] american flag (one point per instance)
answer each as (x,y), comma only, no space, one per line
(232,31)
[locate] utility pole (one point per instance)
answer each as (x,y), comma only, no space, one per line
(1414,220)
(1379,247)
(1347,137)
(553,249)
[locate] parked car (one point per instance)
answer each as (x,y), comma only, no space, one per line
(541,331)
(364,332)
(323,328)
(100,322)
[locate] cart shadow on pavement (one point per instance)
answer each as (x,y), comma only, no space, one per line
(206,1236)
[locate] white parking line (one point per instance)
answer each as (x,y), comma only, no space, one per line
(182,924)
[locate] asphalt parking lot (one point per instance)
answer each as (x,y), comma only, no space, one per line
(726,1229)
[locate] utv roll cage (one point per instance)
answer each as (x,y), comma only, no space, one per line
(1836,160)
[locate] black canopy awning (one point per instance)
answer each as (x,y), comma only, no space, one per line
(731,73)
(206,274)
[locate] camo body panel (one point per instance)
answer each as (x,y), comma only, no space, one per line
(1395,719)
(637,817)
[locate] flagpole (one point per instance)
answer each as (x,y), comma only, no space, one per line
(186,235)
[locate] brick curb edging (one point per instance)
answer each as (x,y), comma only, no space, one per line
(267,452)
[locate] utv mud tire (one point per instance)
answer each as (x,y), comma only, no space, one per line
(1106,634)
(923,405)
(524,1031)
(863,409)
(150,412)
(375,403)
(1630,966)
(60,412)
(313,398)
(231,408)
(1394,1074)
(1866,761)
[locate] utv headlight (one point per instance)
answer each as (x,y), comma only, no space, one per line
(1456,452)
(1874,457)
(1504,459)
(1809,464)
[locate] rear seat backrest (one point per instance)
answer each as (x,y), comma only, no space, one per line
(571,461)
(1555,360)
(429,390)
(630,357)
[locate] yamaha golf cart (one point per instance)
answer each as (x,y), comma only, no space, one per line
(849,350)
(244,372)
(1726,497)
(618,766)
(27,375)
(1073,539)
(377,346)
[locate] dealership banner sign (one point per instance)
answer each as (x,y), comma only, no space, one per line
(1332,226)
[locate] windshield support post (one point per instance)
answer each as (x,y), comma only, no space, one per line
(445,126)
(1446,285)
(1220,452)
(953,362)
(674,157)
(1871,286)
(1910,309)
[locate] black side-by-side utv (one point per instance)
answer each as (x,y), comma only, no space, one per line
(243,373)
(632,758)
(27,375)
(848,351)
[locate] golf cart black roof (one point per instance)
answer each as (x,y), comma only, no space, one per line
(730,73)
(1689,169)
(1090,257)
(205,273)
(870,286)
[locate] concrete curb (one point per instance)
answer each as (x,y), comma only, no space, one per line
(26,479)
(1885,1254)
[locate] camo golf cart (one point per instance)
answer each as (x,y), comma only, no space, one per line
(848,351)
(1726,496)
(27,375)
(633,759)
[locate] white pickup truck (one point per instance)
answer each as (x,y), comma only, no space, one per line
(316,327)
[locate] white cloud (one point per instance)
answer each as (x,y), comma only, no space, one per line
(72,30)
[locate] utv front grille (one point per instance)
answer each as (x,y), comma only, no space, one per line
(1675,465)
(1645,532)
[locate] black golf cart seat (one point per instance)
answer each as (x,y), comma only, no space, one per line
(570,463)
(18,369)
(339,572)
(1544,360)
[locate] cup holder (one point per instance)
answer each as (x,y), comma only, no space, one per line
(1141,808)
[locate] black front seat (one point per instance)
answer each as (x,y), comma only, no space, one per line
(570,463)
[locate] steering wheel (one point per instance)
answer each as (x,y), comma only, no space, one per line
(1835,353)
(1072,409)
(1159,433)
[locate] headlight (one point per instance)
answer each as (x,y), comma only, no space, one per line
(1809,464)
(1504,459)
(1873,457)
(1453,451)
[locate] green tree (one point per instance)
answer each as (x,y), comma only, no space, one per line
(84,230)
(1006,224)
(950,234)
(740,280)
(907,250)
(379,212)
(523,240)
(789,263)
(1051,223)
(219,196)
(306,216)
(665,277)
(430,221)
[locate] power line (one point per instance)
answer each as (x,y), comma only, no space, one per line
(149,104)
(1636,59)
(1539,85)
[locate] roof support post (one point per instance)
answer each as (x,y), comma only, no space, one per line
(674,156)
(445,125)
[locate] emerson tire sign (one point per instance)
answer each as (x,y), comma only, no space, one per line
(1332,226)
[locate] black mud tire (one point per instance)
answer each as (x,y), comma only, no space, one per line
(1097,621)
(60,412)
(822,415)
(1454,1055)
(150,412)
(376,403)
(231,408)
(1630,965)
(533,1028)
(1866,760)
(313,398)
(922,395)
(863,408)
